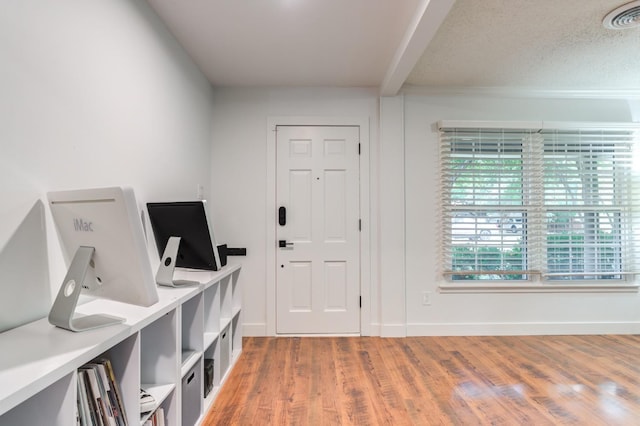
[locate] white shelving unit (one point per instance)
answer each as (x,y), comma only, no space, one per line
(161,348)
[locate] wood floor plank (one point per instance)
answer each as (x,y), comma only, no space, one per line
(499,380)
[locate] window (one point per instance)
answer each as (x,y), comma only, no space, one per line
(519,203)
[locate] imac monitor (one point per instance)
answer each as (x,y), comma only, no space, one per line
(103,243)
(183,237)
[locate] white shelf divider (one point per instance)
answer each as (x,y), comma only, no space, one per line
(189,359)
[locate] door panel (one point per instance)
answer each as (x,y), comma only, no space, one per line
(301,294)
(300,205)
(335,274)
(335,195)
(318,273)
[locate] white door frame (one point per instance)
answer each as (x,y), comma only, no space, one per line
(365,207)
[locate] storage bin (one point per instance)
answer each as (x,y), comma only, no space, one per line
(191,399)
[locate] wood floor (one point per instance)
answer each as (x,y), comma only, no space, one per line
(531,380)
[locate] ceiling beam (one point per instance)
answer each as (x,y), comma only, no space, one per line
(429,15)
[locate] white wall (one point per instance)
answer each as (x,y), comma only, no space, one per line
(492,313)
(239,172)
(95,93)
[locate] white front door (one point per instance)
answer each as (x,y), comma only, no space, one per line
(318,237)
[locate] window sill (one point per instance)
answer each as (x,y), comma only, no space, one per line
(532,288)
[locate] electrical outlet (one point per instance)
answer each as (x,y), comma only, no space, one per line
(426,298)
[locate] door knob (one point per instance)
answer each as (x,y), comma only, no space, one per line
(284,243)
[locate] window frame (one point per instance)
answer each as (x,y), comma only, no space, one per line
(534,211)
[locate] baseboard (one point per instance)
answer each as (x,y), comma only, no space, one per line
(254,330)
(521,329)
(481,329)
(260,330)
(374,329)
(393,330)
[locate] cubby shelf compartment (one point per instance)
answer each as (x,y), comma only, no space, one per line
(192,332)
(159,358)
(53,405)
(226,298)
(125,360)
(236,294)
(212,309)
(38,368)
(160,393)
(236,336)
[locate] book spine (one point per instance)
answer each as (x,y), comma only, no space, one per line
(122,418)
(94,396)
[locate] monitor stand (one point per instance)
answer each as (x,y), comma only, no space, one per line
(62,312)
(167,267)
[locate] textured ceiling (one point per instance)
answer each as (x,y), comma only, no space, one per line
(544,44)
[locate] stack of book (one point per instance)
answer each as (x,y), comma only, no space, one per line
(99,397)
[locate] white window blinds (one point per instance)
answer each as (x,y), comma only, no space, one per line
(520,202)
(589,202)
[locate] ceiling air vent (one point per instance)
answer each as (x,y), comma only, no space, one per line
(626,16)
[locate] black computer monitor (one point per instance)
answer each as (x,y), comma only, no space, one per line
(186,223)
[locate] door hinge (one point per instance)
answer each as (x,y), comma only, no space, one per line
(359,149)
(361,301)
(359,224)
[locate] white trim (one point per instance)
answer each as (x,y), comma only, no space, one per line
(584,274)
(318,335)
(522,329)
(546,288)
(522,92)
(256,329)
(365,211)
(375,329)
(486,124)
(270,240)
(392,262)
(586,125)
(536,125)
(393,330)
